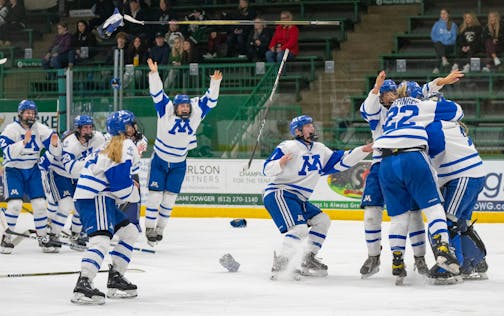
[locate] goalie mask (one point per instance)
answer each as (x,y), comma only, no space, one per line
(297,124)
(185,112)
(27,119)
(83,125)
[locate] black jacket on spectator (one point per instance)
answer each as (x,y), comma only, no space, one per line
(160,54)
(500,39)
(258,53)
(471,36)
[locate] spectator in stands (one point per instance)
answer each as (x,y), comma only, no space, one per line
(258,41)
(160,53)
(493,38)
(137,53)
(195,32)
(57,56)
(176,54)
(174,32)
(190,53)
(83,43)
(285,36)
(444,36)
(164,14)
(121,40)
(238,34)
(14,22)
(134,29)
(4,11)
(468,39)
(102,10)
(217,44)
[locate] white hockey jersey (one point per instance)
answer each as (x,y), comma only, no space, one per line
(176,136)
(141,146)
(18,155)
(301,174)
(452,153)
(376,114)
(408,117)
(75,153)
(101,175)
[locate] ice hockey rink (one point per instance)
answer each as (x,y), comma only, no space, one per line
(184,277)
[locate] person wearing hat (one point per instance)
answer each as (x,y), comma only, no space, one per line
(160,53)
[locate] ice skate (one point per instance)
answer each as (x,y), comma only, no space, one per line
(279,270)
(312,266)
(439,276)
(371,266)
(421,266)
(6,246)
(46,245)
(476,273)
(78,241)
(398,267)
(118,286)
(444,256)
(151,235)
(159,233)
(86,294)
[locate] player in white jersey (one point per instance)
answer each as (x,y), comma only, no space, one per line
(76,146)
(374,111)
(104,181)
(296,166)
(461,177)
(177,122)
(21,142)
(406,174)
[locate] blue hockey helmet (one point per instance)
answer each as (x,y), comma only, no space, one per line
(81,120)
(388,86)
(27,105)
(182,99)
(298,122)
(413,89)
(117,122)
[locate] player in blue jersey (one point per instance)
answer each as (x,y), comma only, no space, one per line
(296,166)
(406,174)
(21,142)
(104,181)
(374,111)
(177,122)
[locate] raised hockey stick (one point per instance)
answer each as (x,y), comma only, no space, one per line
(20,275)
(266,107)
(131,19)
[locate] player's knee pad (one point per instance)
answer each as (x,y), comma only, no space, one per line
(298,231)
(128,234)
(473,248)
(66,205)
(14,206)
(320,223)
(154,199)
(471,234)
(100,242)
(373,215)
(39,206)
(169,199)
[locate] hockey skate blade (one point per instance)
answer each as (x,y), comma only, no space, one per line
(118,294)
(399,281)
(371,273)
(445,281)
(314,273)
(81,299)
(475,276)
(152,243)
(6,251)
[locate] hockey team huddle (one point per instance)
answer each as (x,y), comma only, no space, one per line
(420,145)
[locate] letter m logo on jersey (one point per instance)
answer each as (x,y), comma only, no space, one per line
(312,165)
(181,126)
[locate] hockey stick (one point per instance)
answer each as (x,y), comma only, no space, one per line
(266,108)
(19,275)
(131,19)
(66,235)
(44,239)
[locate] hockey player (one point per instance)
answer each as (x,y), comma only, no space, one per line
(405,173)
(77,146)
(374,111)
(296,166)
(105,178)
(178,120)
(21,143)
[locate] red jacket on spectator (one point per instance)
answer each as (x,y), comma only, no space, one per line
(287,37)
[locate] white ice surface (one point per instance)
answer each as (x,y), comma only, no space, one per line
(184,277)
